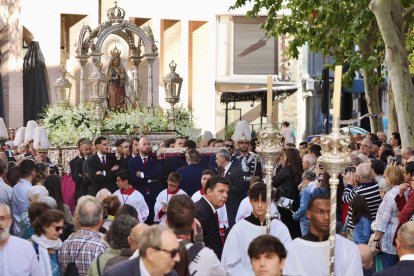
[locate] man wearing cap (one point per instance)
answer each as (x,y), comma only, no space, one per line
(250,162)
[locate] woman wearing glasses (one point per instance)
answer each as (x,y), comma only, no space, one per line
(46,241)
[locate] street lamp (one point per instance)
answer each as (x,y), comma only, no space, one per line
(172,86)
(98,91)
(62,88)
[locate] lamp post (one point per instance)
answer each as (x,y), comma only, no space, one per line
(172,86)
(98,84)
(269,148)
(62,88)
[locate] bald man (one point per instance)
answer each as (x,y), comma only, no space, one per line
(405,250)
(147,174)
(367,259)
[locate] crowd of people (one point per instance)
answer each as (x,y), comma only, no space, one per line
(205,214)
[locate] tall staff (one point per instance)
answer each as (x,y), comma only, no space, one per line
(269,148)
(335,158)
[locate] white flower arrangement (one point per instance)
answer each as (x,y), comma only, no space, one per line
(66,125)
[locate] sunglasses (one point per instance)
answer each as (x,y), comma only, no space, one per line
(228,146)
(58,228)
(172,252)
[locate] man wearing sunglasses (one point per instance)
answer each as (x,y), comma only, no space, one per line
(158,253)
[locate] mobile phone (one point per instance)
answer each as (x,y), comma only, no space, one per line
(350,169)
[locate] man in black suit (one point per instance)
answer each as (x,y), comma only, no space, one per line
(147,175)
(72,165)
(405,250)
(232,171)
(158,253)
(85,150)
(216,193)
(191,173)
(102,168)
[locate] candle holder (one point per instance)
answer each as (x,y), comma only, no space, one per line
(269,147)
(334,159)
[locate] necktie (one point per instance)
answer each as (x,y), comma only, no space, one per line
(145,162)
(221,230)
(103,160)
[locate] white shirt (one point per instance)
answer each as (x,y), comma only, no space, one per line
(20,202)
(135,199)
(5,192)
(309,258)
(245,209)
(18,258)
(143,269)
(235,259)
(226,168)
(162,199)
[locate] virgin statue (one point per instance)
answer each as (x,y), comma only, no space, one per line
(117,80)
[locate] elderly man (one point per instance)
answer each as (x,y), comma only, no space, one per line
(360,183)
(86,243)
(407,154)
(308,255)
(17,256)
(158,253)
(405,250)
(366,148)
(309,162)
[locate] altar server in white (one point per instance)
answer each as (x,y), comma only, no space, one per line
(161,203)
(222,211)
(309,255)
(235,257)
(128,195)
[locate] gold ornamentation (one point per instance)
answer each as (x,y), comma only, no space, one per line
(115,52)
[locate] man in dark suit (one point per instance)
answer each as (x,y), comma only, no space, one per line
(102,168)
(72,165)
(158,253)
(78,174)
(405,250)
(147,175)
(216,193)
(232,171)
(191,173)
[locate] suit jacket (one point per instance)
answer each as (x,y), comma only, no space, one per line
(130,267)
(401,268)
(237,190)
(210,226)
(94,164)
(191,174)
(152,174)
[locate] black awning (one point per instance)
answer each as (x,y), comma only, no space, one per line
(257,94)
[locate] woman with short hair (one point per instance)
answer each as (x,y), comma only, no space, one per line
(46,242)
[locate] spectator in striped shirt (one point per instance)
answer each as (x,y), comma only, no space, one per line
(361,183)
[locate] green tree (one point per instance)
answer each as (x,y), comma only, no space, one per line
(394,18)
(332,28)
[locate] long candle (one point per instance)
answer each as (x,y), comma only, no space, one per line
(337,95)
(269,98)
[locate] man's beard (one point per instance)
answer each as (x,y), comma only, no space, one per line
(4,233)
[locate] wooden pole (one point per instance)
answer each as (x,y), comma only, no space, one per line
(269,98)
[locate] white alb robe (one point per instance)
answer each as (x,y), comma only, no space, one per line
(221,212)
(245,209)
(135,199)
(309,258)
(162,199)
(235,259)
